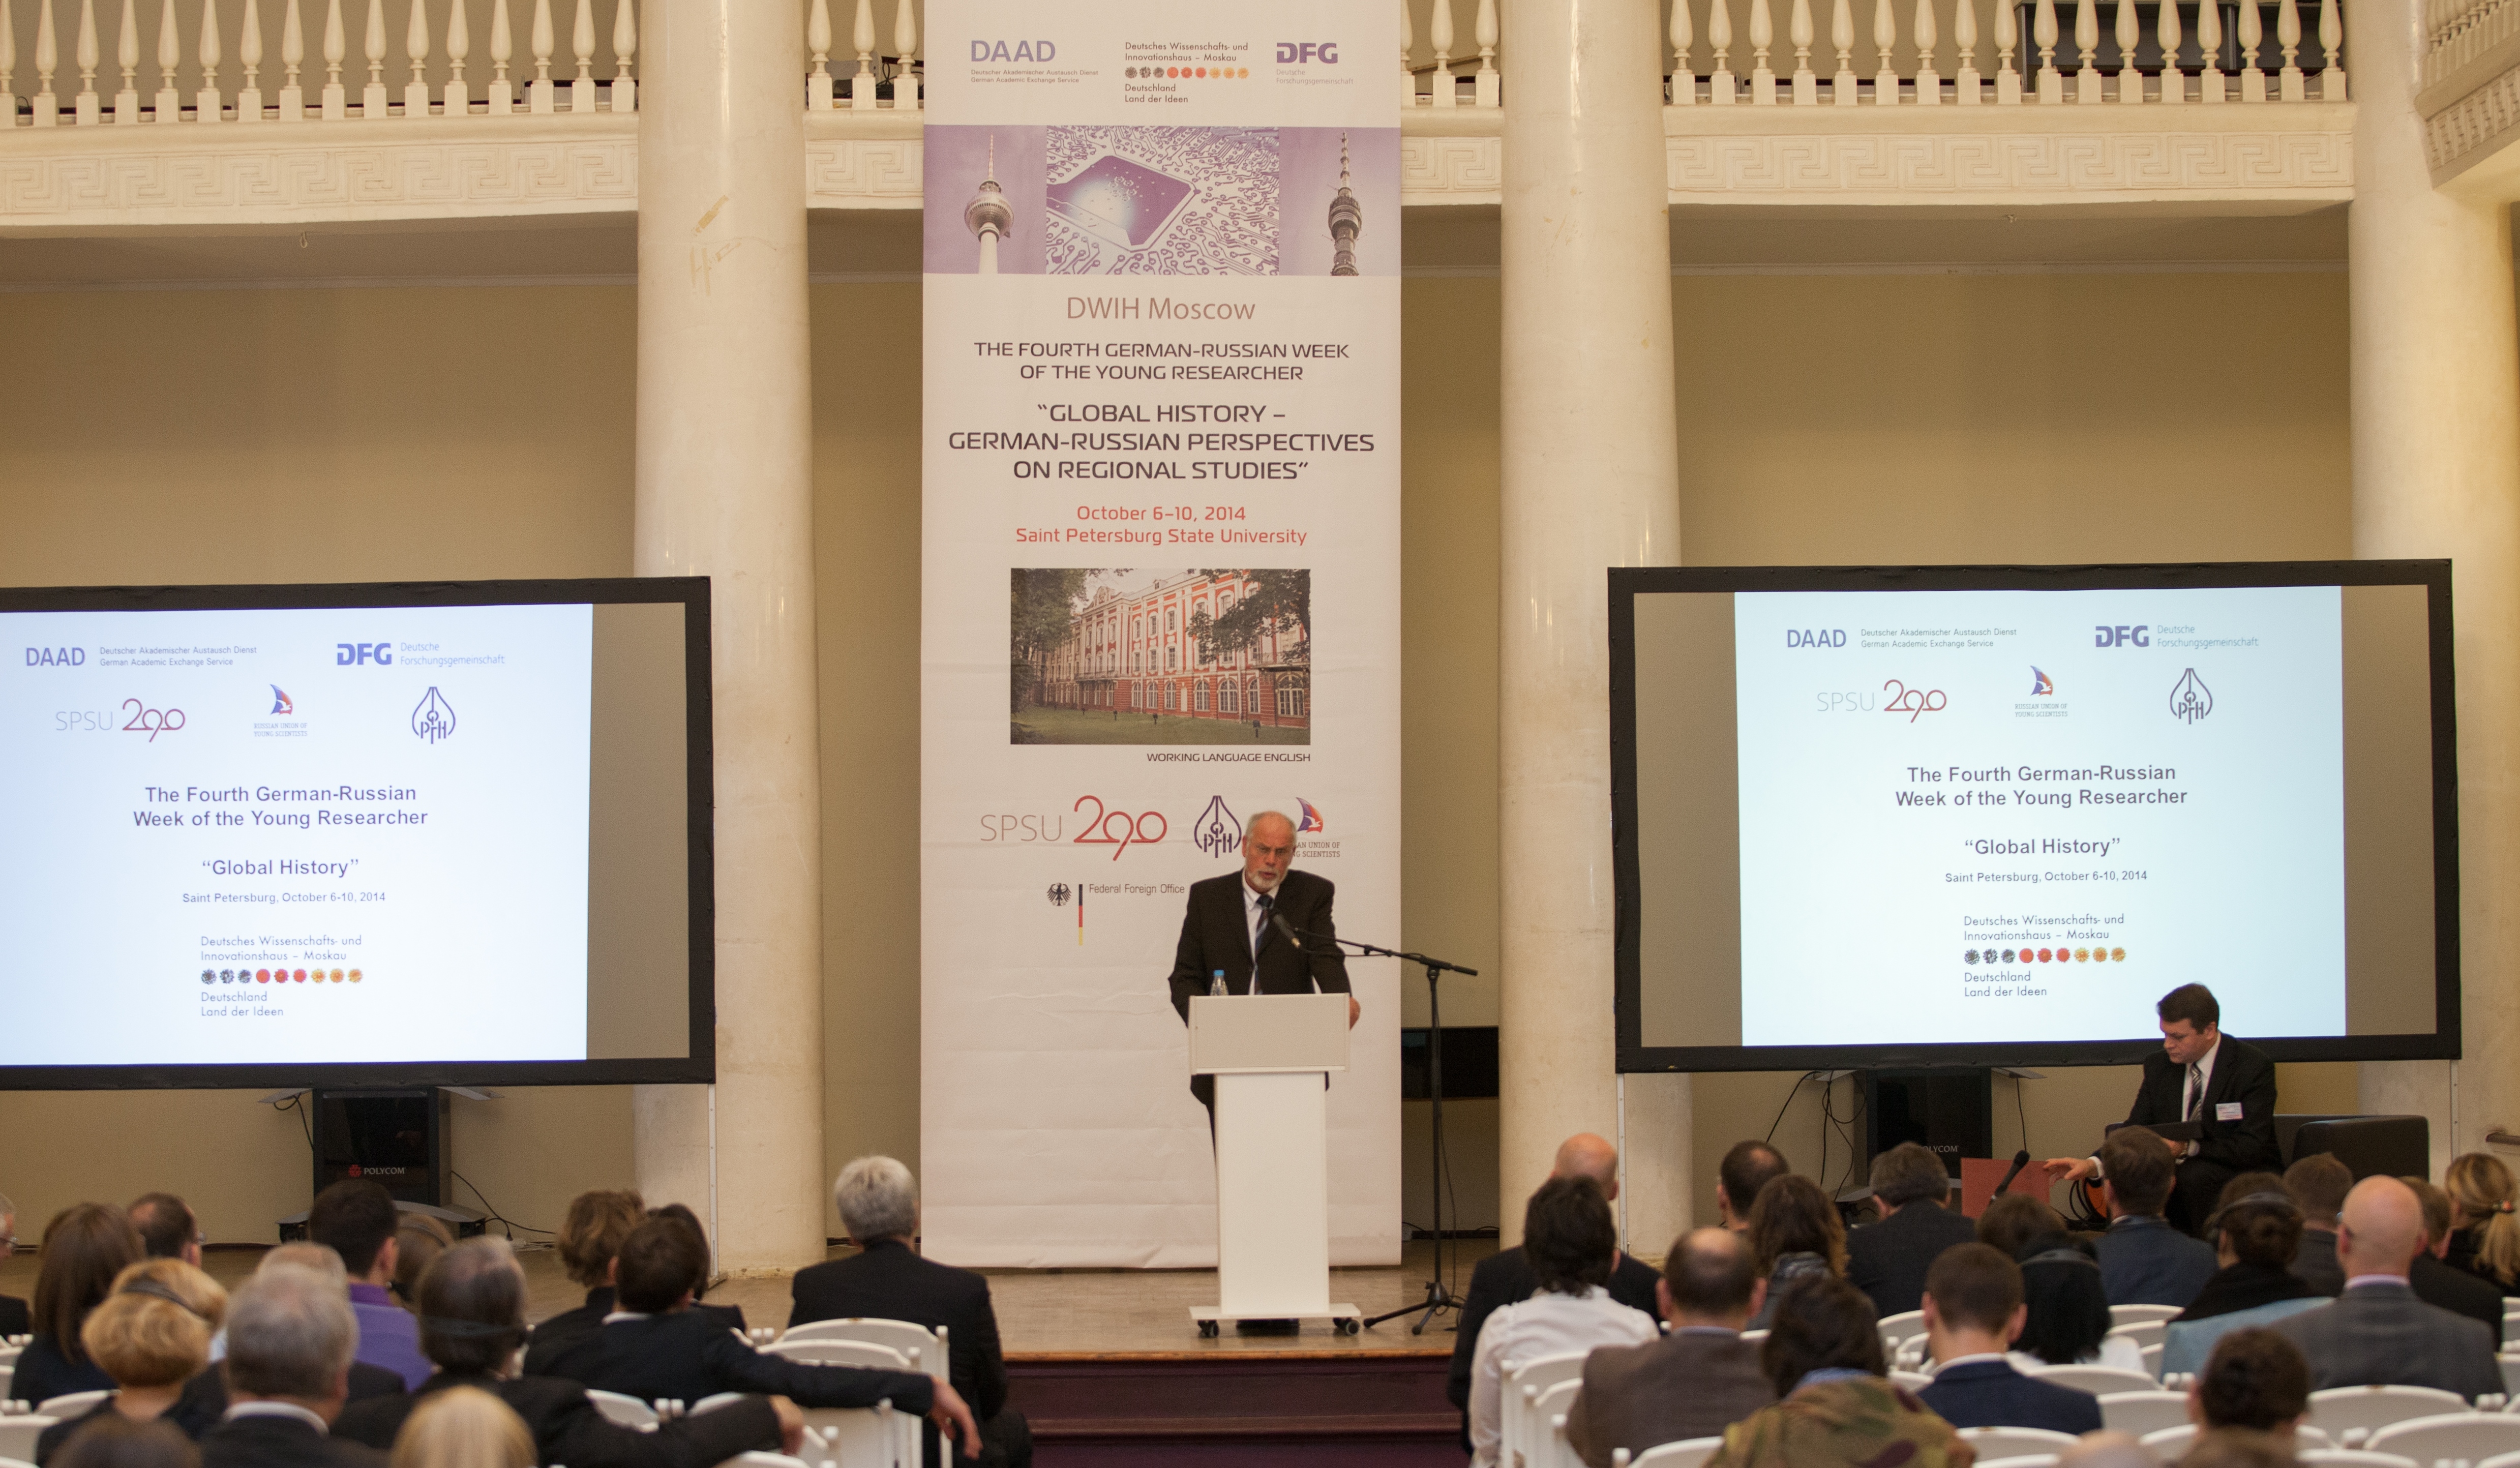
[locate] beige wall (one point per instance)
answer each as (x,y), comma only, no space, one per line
(369,434)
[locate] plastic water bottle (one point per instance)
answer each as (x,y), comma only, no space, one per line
(1216,984)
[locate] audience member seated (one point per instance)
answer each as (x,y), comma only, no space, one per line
(206,1396)
(150,1336)
(1836,1407)
(418,1240)
(471,1307)
(2377,1333)
(2256,1234)
(14,1318)
(2485,1237)
(2010,1224)
(656,1345)
(2319,1185)
(292,1337)
(1506,1276)
(1973,1310)
(729,1316)
(2144,1261)
(356,1219)
(1747,1167)
(465,1427)
(120,1443)
(2437,1283)
(168,1227)
(85,1247)
(590,1236)
(1888,1260)
(2060,1286)
(1795,1234)
(2238,1448)
(889,1280)
(2255,1380)
(1693,1382)
(1569,1240)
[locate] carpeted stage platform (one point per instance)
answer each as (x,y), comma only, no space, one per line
(1109,1370)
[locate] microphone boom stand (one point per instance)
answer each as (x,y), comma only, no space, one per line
(1438,1298)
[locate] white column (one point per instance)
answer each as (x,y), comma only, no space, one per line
(725,490)
(1591,474)
(2436,405)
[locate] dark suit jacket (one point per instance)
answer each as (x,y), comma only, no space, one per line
(1888,1260)
(281,1443)
(1214,935)
(2144,1261)
(204,1398)
(2382,1335)
(1991,1394)
(2315,1262)
(43,1373)
(570,1429)
(571,1326)
(14,1318)
(1689,1384)
(2456,1291)
(2242,1073)
(889,1282)
(1506,1277)
(689,1355)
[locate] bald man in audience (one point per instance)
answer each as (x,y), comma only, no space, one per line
(1506,1276)
(2377,1333)
(1747,1168)
(1700,1378)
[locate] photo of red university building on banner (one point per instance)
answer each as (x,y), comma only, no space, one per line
(1150,646)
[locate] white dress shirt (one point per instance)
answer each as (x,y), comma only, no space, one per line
(306,1416)
(1546,1324)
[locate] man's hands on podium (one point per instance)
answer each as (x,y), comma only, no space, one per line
(1353,1011)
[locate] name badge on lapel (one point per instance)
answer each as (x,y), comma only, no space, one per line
(2227,1111)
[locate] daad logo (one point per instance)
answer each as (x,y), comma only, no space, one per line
(434,718)
(56,657)
(1815,636)
(1913,702)
(2138,635)
(1312,821)
(280,703)
(1217,830)
(2041,685)
(2189,698)
(351,655)
(1058,894)
(1021,51)
(1296,53)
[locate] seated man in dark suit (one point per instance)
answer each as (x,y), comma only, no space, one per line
(2377,1333)
(14,1318)
(1695,1382)
(889,1280)
(290,1339)
(1973,1311)
(471,1303)
(656,1345)
(2144,1261)
(1506,1276)
(1888,1260)
(590,1234)
(2319,1185)
(2435,1282)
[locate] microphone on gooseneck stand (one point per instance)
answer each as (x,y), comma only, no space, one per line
(1280,918)
(2020,1160)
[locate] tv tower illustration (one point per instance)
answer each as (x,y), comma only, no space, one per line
(1347,220)
(989,215)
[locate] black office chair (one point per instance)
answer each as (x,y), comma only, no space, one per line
(2399,1146)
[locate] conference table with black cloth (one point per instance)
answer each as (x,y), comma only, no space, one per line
(1506,1277)
(2243,1076)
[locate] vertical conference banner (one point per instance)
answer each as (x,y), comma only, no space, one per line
(1161,594)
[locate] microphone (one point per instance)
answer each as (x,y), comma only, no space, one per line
(2020,1160)
(1280,918)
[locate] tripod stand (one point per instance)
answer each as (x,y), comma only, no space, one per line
(1437,1296)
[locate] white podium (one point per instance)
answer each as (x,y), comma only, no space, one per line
(1269,1054)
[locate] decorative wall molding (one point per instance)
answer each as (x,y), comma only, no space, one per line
(1452,170)
(2300,165)
(2461,135)
(843,173)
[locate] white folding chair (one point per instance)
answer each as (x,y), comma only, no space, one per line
(2508,1360)
(876,1436)
(768,1460)
(2354,1457)
(629,1411)
(17,1435)
(2510,1321)
(2145,1411)
(2466,1436)
(1753,1338)
(839,1353)
(2129,1315)
(1550,1448)
(2096,1380)
(2028,1461)
(15,1463)
(1913,1381)
(2141,1332)
(9,1352)
(6,1371)
(708,1405)
(926,1350)
(2014,1441)
(1899,1329)
(2339,1411)
(2501,1460)
(70,1403)
(2152,1360)
(1688,1453)
(1526,1384)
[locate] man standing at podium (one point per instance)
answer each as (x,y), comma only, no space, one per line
(1247,932)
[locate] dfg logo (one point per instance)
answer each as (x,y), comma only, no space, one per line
(2140,636)
(351,655)
(1297,53)
(1815,636)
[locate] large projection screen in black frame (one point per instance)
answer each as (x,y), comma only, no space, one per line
(1987,814)
(395,834)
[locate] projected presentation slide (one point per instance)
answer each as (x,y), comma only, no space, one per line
(295,835)
(1870,819)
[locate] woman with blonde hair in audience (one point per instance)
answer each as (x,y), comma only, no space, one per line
(1795,1234)
(464,1427)
(85,1246)
(2484,1235)
(1836,1407)
(150,1336)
